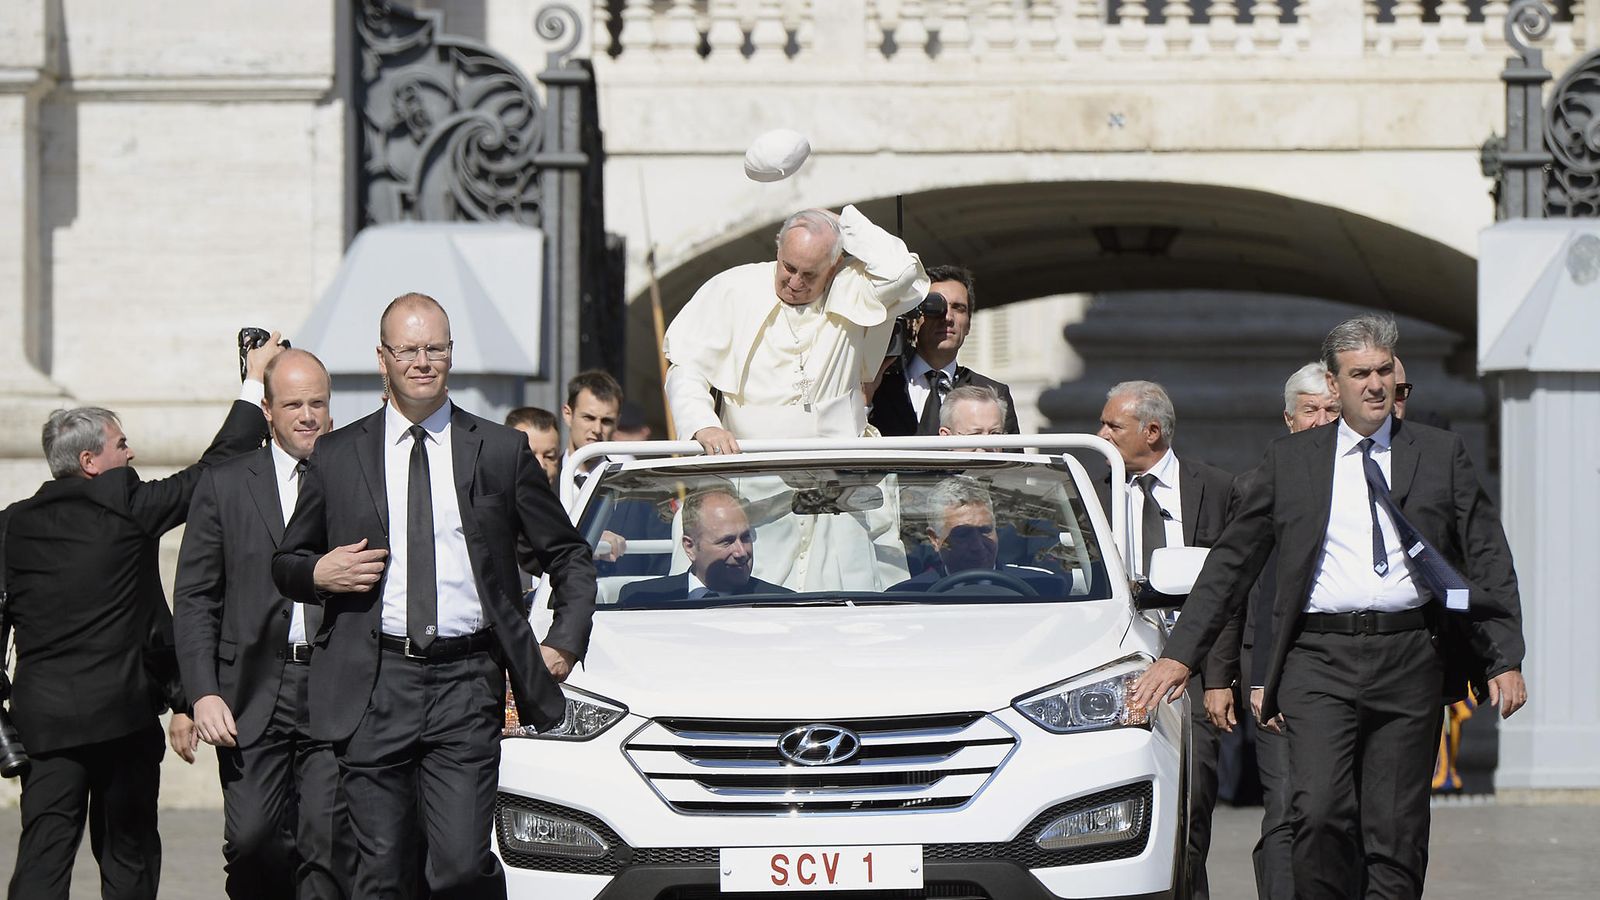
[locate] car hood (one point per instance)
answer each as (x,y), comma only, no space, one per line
(834,662)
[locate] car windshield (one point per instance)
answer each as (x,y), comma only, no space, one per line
(746,533)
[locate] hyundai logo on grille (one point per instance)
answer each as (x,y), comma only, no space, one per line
(819,745)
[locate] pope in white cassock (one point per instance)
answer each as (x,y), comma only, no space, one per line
(787,345)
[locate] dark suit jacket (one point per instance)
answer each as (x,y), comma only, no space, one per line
(675,588)
(893,416)
(503,494)
(1286,506)
(93,631)
(231,623)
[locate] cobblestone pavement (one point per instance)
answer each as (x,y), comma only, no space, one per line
(1479,852)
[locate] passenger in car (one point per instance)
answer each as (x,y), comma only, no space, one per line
(965,538)
(720,544)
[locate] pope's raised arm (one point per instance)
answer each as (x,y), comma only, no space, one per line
(895,274)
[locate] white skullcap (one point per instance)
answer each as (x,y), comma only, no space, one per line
(776,155)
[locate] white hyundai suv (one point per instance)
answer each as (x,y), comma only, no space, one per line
(890,671)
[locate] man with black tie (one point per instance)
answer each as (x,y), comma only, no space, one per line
(1366,646)
(1173,503)
(406,533)
(245,652)
(721,547)
(912,390)
(88,612)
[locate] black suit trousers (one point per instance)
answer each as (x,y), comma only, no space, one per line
(284,836)
(113,785)
(427,747)
(1274,852)
(1362,716)
(1204,742)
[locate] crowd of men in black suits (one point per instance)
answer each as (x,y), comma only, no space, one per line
(394,556)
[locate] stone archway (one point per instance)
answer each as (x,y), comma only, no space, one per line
(1028,240)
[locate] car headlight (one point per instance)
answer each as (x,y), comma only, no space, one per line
(1091,701)
(587,715)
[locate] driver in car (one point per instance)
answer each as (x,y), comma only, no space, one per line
(967,544)
(720,544)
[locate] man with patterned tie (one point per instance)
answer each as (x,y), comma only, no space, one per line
(912,392)
(406,532)
(1173,502)
(1373,521)
(244,652)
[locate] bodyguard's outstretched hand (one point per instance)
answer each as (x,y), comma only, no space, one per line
(1508,692)
(255,361)
(1164,680)
(350,569)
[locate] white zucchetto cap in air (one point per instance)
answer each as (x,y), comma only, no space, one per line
(776,155)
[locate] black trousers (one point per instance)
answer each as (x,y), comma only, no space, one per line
(1203,745)
(1362,715)
(425,761)
(1273,853)
(284,835)
(113,785)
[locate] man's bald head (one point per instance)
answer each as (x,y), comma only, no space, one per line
(295,364)
(405,304)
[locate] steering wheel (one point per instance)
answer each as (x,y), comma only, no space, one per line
(982,576)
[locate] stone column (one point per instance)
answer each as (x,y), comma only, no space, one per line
(1537,319)
(28,40)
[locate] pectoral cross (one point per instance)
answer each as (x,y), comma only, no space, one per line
(803,384)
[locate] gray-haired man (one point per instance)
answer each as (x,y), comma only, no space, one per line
(95,664)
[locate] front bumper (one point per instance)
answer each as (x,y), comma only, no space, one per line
(955,871)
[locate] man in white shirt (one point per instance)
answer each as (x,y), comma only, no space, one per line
(1172,503)
(245,653)
(782,349)
(1364,651)
(406,532)
(910,397)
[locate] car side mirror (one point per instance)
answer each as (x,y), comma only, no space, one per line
(1173,572)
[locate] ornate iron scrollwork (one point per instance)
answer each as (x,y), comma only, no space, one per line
(448,127)
(1527,23)
(1572,135)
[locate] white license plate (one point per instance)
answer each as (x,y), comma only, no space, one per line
(802,869)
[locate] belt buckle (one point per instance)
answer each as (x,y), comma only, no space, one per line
(300,652)
(1367,622)
(406,651)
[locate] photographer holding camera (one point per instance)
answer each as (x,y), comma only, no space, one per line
(913,388)
(95,660)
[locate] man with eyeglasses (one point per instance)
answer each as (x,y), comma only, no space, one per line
(406,532)
(973,410)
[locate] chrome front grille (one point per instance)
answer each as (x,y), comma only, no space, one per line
(732,766)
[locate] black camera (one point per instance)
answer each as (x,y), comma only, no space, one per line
(14,760)
(934,305)
(249,339)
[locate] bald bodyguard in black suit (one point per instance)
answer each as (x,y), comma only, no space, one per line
(245,653)
(406,533)
(1364,655)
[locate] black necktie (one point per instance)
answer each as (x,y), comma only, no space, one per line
(1375,485)
(929,422)
(422,587)
(1153,525)
(311,611)
(1440,577)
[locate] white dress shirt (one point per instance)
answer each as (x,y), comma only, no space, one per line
(1168,496)
(459,608)
(283,465)
(916,373)
(1345,580)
